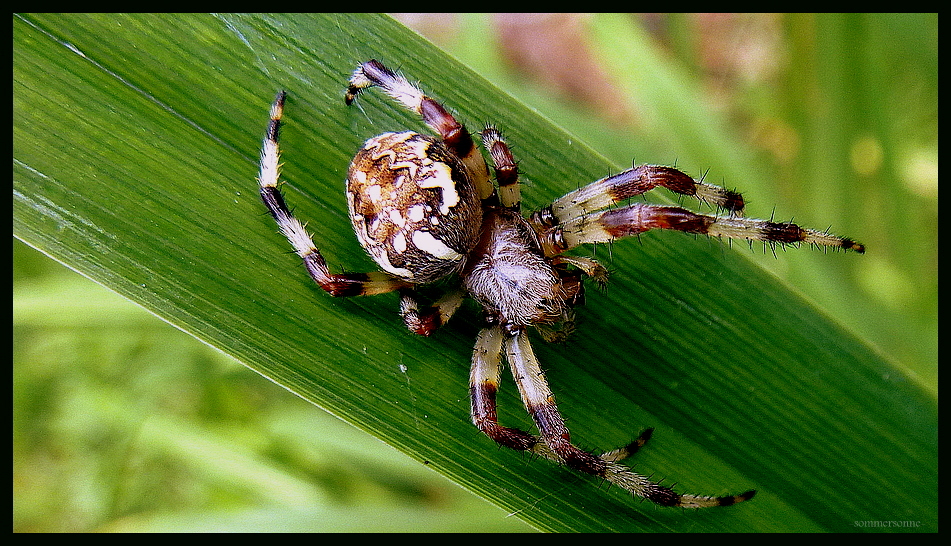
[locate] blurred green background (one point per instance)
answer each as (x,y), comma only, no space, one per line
(853,97)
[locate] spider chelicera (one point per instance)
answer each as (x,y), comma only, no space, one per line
(426,208)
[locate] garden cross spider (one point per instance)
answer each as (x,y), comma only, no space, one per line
(425,208)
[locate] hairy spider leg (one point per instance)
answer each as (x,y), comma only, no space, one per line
(345,284)
(576,218)
(506,170)
(484,379)
(426,319)
(637,218)
(613,189)
(630,449)
(589,266)
(556,439)
(454,134)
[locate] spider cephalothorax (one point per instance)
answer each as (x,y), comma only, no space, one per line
(426,208)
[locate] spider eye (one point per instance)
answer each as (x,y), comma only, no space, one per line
(413,206)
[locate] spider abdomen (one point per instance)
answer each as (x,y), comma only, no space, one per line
(413,206)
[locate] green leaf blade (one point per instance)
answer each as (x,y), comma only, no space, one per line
(134,163)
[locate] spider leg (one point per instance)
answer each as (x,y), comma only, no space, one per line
(540,403)
(632,182)
(506,170)
(347,284)
(624,452)
(425,321)
(454,134)
(589,266)
(637,218)
(483,386)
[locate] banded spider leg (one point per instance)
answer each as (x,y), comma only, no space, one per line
(576,218)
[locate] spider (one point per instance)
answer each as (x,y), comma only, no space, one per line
(425,208)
